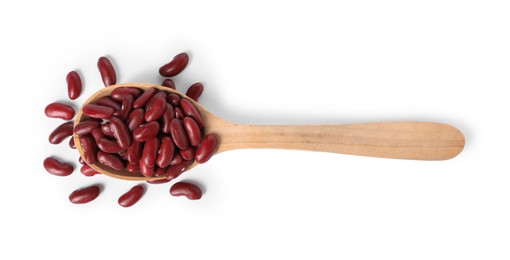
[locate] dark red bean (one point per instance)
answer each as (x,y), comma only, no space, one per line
(84,195)
(107,101)
(206,148)
(88,145)
(146,171)
(61,132)
(57,167)
(173,99)
(71,143)
(166,152)
(175,66)
(85,127)
(159,181)
(108,146)
(154,98)
(176,160)
(150,152)
(120,93)
(97,134)
(195,91)
(80,160)
(107,71)
(178,113)
(132,196)
(134,152)
(188,153)
(59,110)
(97,111)
(159,171)
(155,110)
(111,160)
(142,99)
(193,131)
(127,106)
(135,119)
(176,170)
(133,167)
(105,128)
(167,118)
(168,83)
(190,110)
(189,190)
(74,86)
(178,134)
(88,171)
(120,131)
(146,131)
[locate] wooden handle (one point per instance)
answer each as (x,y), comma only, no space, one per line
(402,140)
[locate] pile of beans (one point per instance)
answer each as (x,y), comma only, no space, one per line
(148,132)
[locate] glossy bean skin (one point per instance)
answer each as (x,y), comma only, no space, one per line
(168,83)
(80,160)
(56,167)
(108,146)
(89,148)
(97,111)
(85,127)
(71,143)
(206,148)
(166,152)
(97,134)
(120,132)
(176,160)
(188,154)
(195,91)
(120,93)
(142,99)
(134,152)
(135,119)
(155,110)
(105,128)
(178,134)
(178,113)
(186,189)
(176,170)
(107,101)
(133,167)
(190,110)
(192,130)
(146,170)
(107,71)
(159,181)
(74,85)
(146,131)
(88,171)
(59,110)
(159,171)
(132,196)
(150,152)
(175,66)
(127,106)
(173,99)
(84,195)
(167,118)
(111,160)
(61,132)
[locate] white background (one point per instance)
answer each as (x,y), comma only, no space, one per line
(268,63)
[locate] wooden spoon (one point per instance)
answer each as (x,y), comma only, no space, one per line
(400,140)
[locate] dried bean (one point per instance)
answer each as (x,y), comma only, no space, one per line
(173,99)
(61,132)
(135,119)
(84,195)
(85,127)
(150,152)
(190,110)
(166,152)
(89,148)
(168,83)
(175,66)
(189,190)
(176,170)
(74,85)
(59,110)
(192,130)
(120,93)
(155,110)
(57,167)
(109,102)
(206,148)
(97,111)
(111,160)
(167,118)
(146,131)
(107,71)
(195,91)
(120,132)
(142,99)
(178,134)
(88,171)
(132,196)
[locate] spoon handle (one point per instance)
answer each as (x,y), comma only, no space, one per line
(400,140)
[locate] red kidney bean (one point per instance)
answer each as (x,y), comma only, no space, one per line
(74,86)
(105,128)
(155,110)
(190,110)
(71,143)
(146,171)
(159,181)
(187,154)
(120,93)
(135,119)
(80,160)
(120,131)
(89,148)
(146,131)
(97,134)
(111,160)
(168,83)
(134,152)
(176,160)
(178,113)
(127,105)
(133,167)
(193,131)
(107,71)
(142,99)
(156,96)
(195,91)
(166,152)
(57,167)
(206,148)
(175,66)
(88,171)
(97,111)
(61,132)
(85,127)
(173,99)
(160,171)
(107,101)
(150,152)
(189,190)
(84,195)
(178,134)
(167,118)
(108,146)
(59,110)
(132,196)
(176,170)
